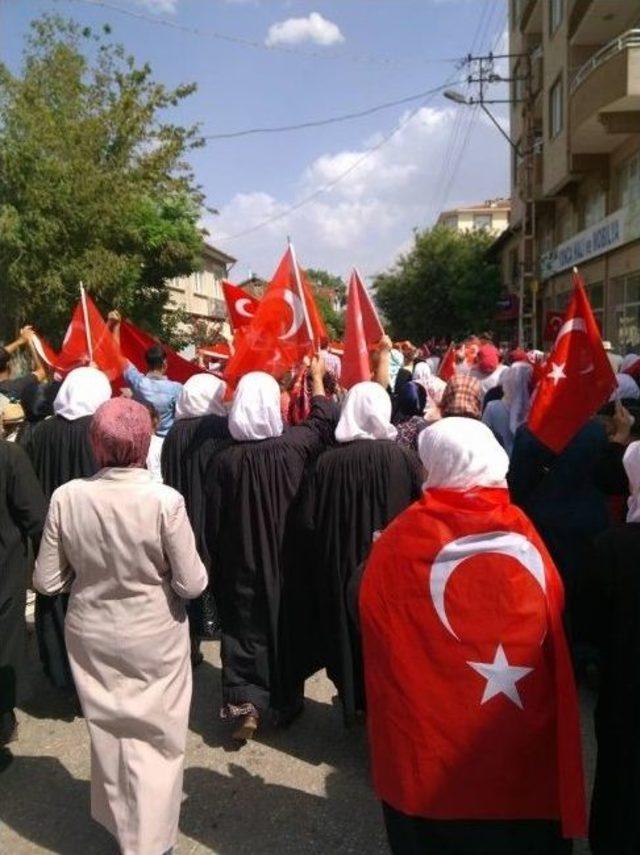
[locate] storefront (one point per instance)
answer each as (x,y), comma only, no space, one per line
(608,257)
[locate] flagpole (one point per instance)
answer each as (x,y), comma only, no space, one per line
(87,328)
(301,293)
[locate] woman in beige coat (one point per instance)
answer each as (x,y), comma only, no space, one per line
(122,545)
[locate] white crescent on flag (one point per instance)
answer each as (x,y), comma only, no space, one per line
(242,307)
(298,313)
(497,542)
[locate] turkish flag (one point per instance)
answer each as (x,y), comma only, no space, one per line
(472,708)
(373,329)
(134,344)
(448,364)
(280,334)
(318,327)
(242,307)
(44,350)
(355,359)
(578,378)
(553,322)
(88,342)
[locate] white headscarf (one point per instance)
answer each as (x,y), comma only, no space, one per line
(627,388)
(81,393)
(366,414)
(459,454)
(255,412)
(515,385)
(422,373)
(631,462)
(628,361)
(201,395)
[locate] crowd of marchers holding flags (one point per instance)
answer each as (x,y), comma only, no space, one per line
(451,531)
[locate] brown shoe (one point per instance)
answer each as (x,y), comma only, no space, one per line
(247,729)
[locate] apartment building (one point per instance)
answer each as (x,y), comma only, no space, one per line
(576,169)
(492,215)
(200,294)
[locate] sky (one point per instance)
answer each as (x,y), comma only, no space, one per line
(348,193)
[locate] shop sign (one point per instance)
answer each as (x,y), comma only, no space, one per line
(613,231)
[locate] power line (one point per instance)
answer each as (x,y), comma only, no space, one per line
(316,123)
(331,184)
(252,43)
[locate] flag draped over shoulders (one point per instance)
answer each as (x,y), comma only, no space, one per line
(472,708)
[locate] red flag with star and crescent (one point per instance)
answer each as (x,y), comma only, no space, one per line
(241,306)
(281,333)
(472,708)
(578,377)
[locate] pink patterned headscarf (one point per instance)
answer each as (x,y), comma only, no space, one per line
(120,434)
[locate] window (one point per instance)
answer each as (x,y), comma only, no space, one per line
(566,224)
(629,181)
(556,8)
(626,291)
(595,208)
(596,298)
(556,109)
(482,221)
(198,285)
(451,222)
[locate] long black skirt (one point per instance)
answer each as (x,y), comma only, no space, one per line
(409,835)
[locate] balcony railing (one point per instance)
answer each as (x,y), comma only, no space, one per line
(623,42)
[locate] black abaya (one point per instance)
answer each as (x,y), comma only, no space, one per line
(250,488)
(60,451)
(22,513)
(186,452)
(613,594)
(355,490)
(412,835)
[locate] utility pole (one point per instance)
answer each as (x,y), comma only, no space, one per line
(482,74)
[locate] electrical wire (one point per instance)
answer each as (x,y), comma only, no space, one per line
(331,184)
(252,43)
(317,123)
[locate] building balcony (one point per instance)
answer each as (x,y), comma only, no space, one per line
(530,18)
(605,96)
(595,22)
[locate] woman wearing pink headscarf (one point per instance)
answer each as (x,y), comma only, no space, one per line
(122,545)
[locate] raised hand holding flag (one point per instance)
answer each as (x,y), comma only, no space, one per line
(578,379)
(88,340)
(281,333)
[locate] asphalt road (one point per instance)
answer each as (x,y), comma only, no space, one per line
(301,790)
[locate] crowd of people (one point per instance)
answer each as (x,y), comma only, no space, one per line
(409,535)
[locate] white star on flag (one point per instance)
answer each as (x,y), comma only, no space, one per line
(557,373)
(501,677)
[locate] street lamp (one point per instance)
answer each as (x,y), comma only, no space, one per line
(458,97)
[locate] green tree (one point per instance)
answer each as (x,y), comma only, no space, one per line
(330,292)
(444,286)
(95,186)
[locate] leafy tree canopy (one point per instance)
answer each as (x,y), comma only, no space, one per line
(444,286)
(324,284)
(95,186)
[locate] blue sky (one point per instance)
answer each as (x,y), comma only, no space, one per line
(313,60)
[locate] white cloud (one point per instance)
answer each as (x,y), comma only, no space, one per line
(159,7)
(368,217)
(293,31)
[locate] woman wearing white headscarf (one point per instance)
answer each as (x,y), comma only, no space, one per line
(60,451)
(199,430)
(434,386)
(613,595)
(628,389)
(505,416)
(250,487)
(353,491)
(469,683)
